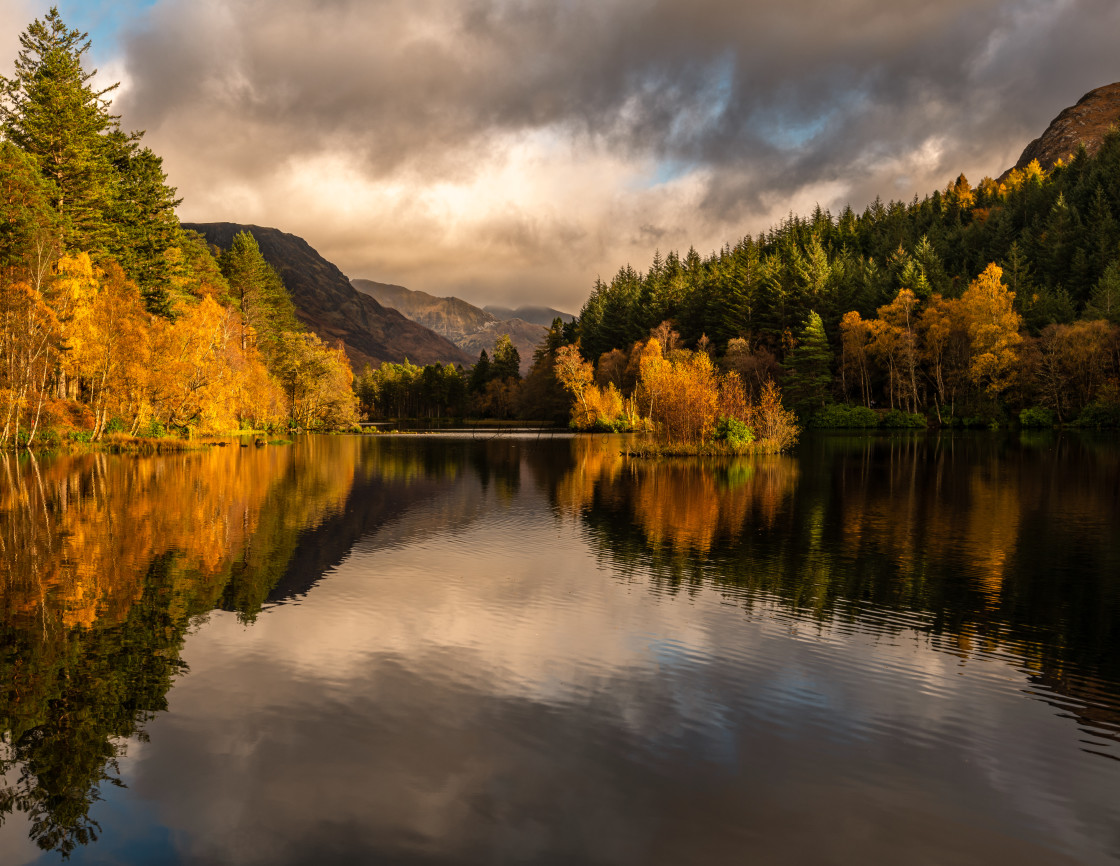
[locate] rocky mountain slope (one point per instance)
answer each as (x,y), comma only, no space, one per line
(327,303)
(1086,122)
(470,328)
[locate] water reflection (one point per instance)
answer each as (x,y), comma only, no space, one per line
(444,649)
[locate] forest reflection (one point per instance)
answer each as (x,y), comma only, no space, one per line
(999,545)
(104,561)
(995,544)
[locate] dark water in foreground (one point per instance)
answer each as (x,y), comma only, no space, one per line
(455,650)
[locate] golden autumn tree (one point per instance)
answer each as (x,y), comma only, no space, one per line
(317,381)
(192,386)
(682,395)
(944,348)
(594,406)
(1072,363)
(28,329)
(895,341)
(993,330)
(855,337)
(106,337)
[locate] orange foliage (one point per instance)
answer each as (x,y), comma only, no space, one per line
(993,328)
(79,533)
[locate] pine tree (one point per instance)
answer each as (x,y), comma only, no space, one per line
(480,374)
(51,111)
(809,367)
(266,308)
(143,225)
(29,232)
(110,194)
(506,363)
(1104,303)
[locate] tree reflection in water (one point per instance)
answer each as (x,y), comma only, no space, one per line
(985,544)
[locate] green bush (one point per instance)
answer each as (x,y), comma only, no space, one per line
(896,419)
(115,425)
(154,430)
(733,431)
(842,416)
(1037,417)
(49,437)
(1099,414)
(606,425)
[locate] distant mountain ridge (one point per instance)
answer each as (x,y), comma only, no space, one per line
(470,328)
(536,315)
(332,308)
(1085,122)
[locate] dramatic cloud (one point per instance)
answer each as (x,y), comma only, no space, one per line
(507,150)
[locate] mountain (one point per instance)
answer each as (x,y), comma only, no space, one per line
(536,315)
(327,303)
(1086,122)
(468,327)
(448,317)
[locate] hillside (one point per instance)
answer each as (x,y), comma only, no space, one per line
(536,315)
(327,303)
(1086,123)
(470,328)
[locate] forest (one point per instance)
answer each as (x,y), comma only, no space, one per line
(974,306)
(991,305)
(994,305)
(113,319)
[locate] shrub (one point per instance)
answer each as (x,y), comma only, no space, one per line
(733,431)
(49,438)
(1099,414)
(1036,416)
(896,419)
(841,416)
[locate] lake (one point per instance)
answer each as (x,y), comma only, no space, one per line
(526,648)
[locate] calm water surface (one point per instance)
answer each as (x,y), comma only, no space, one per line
(531,650)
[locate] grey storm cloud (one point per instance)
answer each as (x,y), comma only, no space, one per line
(762,99)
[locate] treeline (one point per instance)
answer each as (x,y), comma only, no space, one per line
(492,388)
(112,317)
(899,306)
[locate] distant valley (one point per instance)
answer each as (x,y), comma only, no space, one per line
(470,328)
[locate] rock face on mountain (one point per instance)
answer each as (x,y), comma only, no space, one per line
(468,327)
(1086,122)
(448,317)
(327,303)
(536,315)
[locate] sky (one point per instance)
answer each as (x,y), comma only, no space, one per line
(512,151)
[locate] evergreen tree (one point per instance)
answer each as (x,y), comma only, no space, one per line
(1104,303)
(51,111)
(110,194)
(143,225)
(259,293)
(506,363)
(29,232)
(809,367)
(480,373)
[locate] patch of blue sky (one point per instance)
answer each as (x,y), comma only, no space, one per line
(706,110)
(792,134)
(669,170)
(791,131)
(709,106)
(104,20)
